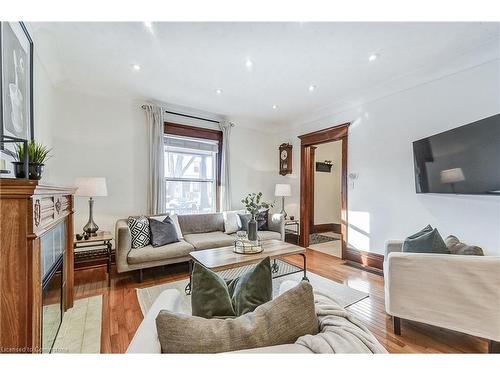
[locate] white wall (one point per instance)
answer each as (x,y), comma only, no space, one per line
(382,202)
(327,198)
(44,109)
(254,165)
(99,136)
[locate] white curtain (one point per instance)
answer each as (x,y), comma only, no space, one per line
(225,126)
(156,182)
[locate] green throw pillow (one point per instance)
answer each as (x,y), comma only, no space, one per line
(252,289)
(212,297)
(428,240)
(427,229)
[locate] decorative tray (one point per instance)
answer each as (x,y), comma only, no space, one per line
(245,246)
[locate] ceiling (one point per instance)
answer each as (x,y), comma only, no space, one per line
(184,63)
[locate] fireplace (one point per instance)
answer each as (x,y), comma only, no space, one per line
(52,259)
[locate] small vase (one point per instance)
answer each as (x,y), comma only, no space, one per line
(252,229)
(19,171)
(35,170)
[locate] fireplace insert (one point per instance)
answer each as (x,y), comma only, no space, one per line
(52,259)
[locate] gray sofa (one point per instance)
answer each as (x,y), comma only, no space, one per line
(200,231)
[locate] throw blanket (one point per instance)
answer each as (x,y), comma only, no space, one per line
(340,331)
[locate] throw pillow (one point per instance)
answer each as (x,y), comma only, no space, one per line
(428,240)
(162,232)
(244,219)
(209,294)
(280,321)
(139,229)
(459,248)
(175,220)
(252,289)
(232,222)
(262,218)
(212,297)
(427,229)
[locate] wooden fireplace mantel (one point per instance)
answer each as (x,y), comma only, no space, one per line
(29,209)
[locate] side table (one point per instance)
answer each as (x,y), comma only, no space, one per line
(101,241)
(292,231)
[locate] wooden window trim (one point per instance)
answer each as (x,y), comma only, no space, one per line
(202,133)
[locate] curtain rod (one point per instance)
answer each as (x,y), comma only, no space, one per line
(183,115)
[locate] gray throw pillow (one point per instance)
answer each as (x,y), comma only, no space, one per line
(428,240)
(280,321)
(245,218)
(212,297)
(459,248)
(162,232)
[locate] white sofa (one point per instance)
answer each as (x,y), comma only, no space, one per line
(146,337)
(457,292)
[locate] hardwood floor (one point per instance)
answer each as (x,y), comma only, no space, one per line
(122,314)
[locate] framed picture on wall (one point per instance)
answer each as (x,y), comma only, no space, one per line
(16,59)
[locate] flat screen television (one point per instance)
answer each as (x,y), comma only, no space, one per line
(464,160)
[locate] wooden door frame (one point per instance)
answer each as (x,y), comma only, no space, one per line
(312,152)
(307,141)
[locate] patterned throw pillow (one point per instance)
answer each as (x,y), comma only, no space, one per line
(262,218)
(139,228)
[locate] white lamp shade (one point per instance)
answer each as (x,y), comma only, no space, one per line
(450,176)
(91,187)
(282,190)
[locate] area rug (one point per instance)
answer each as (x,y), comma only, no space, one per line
(316,238)
(345,295)
(80,330)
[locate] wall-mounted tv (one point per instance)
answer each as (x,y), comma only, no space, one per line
(464,160)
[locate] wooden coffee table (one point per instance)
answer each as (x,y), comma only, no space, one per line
(223,258)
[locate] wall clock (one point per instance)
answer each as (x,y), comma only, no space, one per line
(285,154)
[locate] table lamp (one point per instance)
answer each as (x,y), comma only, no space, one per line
(283,190)
(91,187)
(452,176)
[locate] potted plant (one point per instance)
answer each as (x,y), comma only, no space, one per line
(37,155)
(254,204)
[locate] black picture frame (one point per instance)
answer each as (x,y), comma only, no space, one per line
(3,136)
(323,167)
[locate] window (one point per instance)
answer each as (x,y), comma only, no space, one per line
(191,173)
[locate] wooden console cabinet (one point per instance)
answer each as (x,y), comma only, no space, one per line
(30,210)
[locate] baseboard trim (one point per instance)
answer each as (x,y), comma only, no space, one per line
(327,227)
(372,262)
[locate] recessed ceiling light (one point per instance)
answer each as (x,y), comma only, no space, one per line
(312,88)
(218,91)
(249,64)
(373,57)
(275,106)
(136,67)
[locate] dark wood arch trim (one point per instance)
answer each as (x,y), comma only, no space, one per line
(307,142)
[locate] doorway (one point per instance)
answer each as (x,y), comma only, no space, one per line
(309,146)
(326,184)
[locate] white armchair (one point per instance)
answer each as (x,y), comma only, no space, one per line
(457,292)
